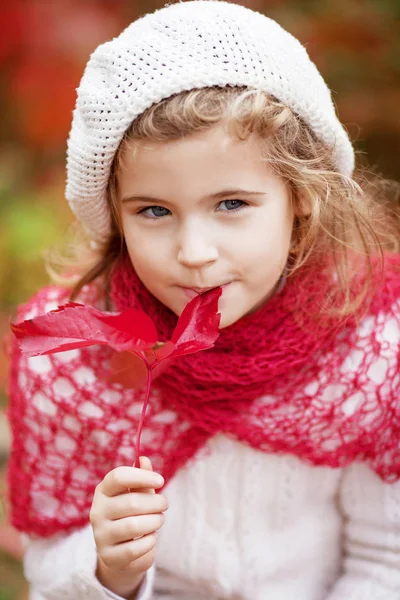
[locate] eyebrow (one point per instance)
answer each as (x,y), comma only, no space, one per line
(222,194)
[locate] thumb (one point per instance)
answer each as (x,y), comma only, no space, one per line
(145,463)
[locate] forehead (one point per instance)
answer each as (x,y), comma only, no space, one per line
(198,163)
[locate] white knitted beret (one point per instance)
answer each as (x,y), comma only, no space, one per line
(184,46)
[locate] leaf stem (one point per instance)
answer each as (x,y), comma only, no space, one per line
(143,415)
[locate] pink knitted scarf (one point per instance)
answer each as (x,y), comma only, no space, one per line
(281,380)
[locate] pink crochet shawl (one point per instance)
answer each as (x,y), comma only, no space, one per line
(281,380)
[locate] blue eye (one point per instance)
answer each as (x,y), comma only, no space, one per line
(157,212)
(233,205)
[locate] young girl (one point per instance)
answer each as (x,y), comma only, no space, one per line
(205,152)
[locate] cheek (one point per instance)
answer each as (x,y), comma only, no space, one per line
(280,230)
(146,257)
(267,243)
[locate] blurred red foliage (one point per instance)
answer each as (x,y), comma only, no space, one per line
(43,48)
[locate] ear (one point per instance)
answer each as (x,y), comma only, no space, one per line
(301,204)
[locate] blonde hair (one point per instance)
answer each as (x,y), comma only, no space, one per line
(336,216)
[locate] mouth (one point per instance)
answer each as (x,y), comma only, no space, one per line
(192,292)
(201,290)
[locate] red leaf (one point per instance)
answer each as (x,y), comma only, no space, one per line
(130,370)
(131,333)
(159,352)
(197,328)
(75,326)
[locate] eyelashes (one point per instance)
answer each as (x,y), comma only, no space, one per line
(144,212)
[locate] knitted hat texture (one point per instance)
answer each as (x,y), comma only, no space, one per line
(184,46)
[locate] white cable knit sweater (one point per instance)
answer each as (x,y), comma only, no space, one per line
(245,525)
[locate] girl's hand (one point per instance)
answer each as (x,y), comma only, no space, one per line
(125,514)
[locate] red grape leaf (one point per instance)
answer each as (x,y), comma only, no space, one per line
(159,352)
(130,370)
(75,325)
(198,325)
(132,334)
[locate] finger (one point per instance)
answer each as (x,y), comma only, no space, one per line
(135,503)
(130,528)
(121,479)
(145,463)
(122,555)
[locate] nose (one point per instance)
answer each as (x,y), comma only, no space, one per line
(196,247)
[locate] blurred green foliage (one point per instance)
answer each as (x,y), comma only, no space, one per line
(43,49)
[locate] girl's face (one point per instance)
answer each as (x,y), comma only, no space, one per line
(205,211)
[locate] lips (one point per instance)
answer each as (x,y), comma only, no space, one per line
(201,290)
(192,292)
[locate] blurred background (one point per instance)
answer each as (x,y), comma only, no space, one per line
(44,45)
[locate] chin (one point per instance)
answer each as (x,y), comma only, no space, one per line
(227,319)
